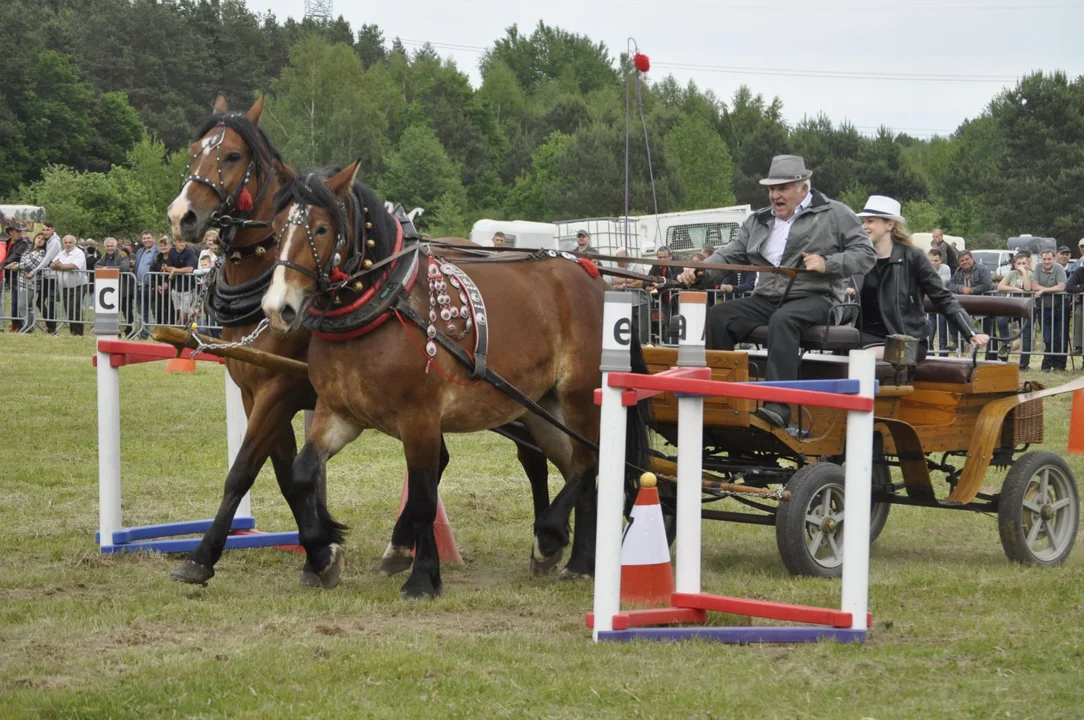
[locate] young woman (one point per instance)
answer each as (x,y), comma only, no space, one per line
(30,284)
(891,293)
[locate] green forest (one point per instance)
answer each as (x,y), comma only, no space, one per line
(99,100)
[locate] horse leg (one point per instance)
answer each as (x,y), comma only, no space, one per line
(282,459)
(399,555)
(534,465)
(317,531)
(266,416)
(423,457)
(577,411)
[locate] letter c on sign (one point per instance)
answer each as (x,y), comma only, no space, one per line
(623,331)
(107,304)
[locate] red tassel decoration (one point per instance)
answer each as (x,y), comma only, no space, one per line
(244,201)
(642,62)
(338,276)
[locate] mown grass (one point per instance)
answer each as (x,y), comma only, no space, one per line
(958,631)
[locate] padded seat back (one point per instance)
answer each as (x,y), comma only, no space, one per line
(992,305)
(818,337)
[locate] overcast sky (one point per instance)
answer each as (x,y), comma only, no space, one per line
(919,67)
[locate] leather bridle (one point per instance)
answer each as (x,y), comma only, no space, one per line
(221,218)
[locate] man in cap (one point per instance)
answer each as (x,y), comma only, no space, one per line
(583,242)
(800,229)
(1064,256)
(17,244)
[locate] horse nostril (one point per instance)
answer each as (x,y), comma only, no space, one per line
(188,220)
(288,314)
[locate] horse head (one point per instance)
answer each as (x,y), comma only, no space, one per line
(330,229)
(230,178)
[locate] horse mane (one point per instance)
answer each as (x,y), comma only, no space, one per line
(255,137)
(308,188)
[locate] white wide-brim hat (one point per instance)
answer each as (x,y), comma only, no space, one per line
(882,206)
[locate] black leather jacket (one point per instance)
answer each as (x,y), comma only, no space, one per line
(904,281)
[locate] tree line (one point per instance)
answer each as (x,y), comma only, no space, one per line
(99,99)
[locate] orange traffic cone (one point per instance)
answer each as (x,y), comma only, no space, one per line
(446,548)
(646,577)
(1076,424)
(181,365)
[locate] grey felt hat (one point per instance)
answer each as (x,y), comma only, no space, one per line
(786,169)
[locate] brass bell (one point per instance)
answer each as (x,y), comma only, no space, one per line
(368,226)
(365,209)
(337,301)
(261,251)
(371,243)
(236,257)
(359,286)
(367,264)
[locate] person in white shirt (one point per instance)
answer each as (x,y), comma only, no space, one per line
(70,267)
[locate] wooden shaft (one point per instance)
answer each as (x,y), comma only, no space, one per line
(185,339)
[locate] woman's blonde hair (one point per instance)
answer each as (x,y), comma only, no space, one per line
(900,233)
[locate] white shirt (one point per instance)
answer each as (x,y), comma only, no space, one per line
(777,238)
(76,257)
(945,274)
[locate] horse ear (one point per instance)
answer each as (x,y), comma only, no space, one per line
(344,179)
(221,104)
(255,111)
(283,173)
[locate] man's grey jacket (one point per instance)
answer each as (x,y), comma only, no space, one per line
(827,228)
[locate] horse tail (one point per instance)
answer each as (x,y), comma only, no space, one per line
(640,419)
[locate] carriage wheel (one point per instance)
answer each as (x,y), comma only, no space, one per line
(878,511)
(809,526)
(1039,510)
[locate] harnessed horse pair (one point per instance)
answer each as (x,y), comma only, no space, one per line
(554,360)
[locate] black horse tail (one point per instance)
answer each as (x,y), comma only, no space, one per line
(640,420)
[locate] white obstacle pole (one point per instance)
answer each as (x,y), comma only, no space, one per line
(857,495)
(236,427)
(691,353)
(107,324)
(616,339)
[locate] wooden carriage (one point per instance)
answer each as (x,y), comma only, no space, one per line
(927,415)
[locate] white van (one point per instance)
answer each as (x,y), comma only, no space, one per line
(517,233)
(685,233)
(924,240)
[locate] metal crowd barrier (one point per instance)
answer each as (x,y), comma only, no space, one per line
(54,298)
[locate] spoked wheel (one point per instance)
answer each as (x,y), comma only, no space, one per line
(809,526)
(878,511)
(1039,510)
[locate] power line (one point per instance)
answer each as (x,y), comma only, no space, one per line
(778,72)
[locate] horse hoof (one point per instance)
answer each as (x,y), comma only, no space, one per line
(310,579)
(573,575)
(396,560)
(424,591)
(541,568)
(192,573)
(330,575)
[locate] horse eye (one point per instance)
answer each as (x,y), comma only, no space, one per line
(321,230)
(233,157)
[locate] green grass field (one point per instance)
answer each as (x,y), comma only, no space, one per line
(958,631)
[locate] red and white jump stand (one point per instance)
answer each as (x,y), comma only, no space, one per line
(112,354)
(691,382)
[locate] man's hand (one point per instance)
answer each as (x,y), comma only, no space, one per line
(814,262)
(849,292)
(966,291)
(979,340)
(1039,292)
(55,265)
(726,288)
(688,277)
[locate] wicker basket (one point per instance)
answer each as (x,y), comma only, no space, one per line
(1024,423)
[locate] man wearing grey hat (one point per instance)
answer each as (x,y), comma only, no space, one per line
(802,229)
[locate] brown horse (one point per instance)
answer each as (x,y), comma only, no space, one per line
(235,172)
(342,253)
